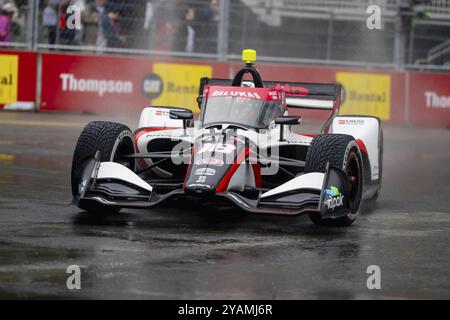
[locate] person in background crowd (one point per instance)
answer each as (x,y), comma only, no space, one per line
(100,7)
(112,30)
(90,24)
(186,33)
(214,5)
(18,21)
(163,29)
(50,19)
(6,16)
(79,33)
(148,22)
(207,21)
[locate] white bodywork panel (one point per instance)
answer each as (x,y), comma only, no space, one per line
(310,103)
(366,129)
(175,134)
(113,170)
(313,180)
(159,118)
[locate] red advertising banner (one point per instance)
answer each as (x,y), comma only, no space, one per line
(429,99)
(90,83)
(17,79)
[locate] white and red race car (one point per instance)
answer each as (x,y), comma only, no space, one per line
(241,151)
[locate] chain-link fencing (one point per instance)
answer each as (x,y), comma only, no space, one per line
(335,32)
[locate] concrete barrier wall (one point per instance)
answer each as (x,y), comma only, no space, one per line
(96,83)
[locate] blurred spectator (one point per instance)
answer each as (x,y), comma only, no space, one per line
(207,25)
(148,23)
(111,27)
(6,18)
(19,19)
(149,14)
(79,33)
(90,24)
(100,7)
(186,32)
(163,32)
(50,19)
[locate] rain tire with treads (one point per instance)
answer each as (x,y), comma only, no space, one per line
(341,151)
(112,140)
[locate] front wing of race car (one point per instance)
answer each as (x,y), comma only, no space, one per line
(114,185)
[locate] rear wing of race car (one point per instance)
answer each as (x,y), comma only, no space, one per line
(303,95)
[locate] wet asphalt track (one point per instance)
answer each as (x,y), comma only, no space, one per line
(185,253)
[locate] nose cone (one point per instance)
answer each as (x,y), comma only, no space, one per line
(203,179)
(199,191)
(212,164)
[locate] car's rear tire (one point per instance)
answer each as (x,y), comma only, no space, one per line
(369,203)
(341,151)
(112,140)
(380,167)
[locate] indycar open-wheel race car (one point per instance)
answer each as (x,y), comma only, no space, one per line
(241,152)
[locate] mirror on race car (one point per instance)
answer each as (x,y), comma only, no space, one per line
(186,115)
(287,120)
(181,114)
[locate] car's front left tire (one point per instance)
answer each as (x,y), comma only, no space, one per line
(341,151)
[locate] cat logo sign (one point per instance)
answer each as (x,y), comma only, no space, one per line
(179,85)
(366,94)
(9,69)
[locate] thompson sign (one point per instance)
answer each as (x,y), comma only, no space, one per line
(85,83)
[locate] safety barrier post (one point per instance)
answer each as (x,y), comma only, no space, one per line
(223,30)
(33,25)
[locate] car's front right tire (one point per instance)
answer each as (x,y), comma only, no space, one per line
(112,140)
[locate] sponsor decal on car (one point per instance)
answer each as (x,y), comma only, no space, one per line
(274,95)
(353,122)
(162,113)
(210,161)
(82,185)
(218,147)
(293,91)
(335,198)
(205,172)
(229,93)
(201,179)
